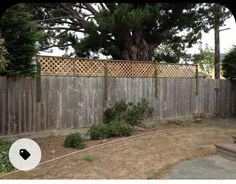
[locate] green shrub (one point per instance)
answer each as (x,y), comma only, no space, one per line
(98,131)
(134,117)
(132,113)
(5,164)
(119,129)
(126,129)
(109,115)
(144,108)
(112,129)
(121,106)
(74,140)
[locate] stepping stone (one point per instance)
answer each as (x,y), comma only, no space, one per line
(227,150)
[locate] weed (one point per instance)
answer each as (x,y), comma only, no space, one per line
(89,158)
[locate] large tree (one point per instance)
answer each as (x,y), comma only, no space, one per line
(131,31)
(3,52)
(205,59)
(20,33)
(229,64)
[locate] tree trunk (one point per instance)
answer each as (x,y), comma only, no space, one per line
(138,48)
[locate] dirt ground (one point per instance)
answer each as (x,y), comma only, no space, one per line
(147,156)
(52,147)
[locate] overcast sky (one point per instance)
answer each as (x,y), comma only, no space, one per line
(227,40)
(227,37)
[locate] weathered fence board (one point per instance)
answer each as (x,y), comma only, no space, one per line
(76,102)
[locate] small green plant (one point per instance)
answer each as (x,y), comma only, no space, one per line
(98,131)
(5,164)
(75,140)
(89,158)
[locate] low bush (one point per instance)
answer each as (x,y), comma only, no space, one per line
(75,140)
(134,117)
(98,131)
(109,115)
(112,129)
(5,164)
(144,108)
(132,113)
(119,129)
(126,129)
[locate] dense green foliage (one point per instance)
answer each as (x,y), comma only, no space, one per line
(112,129)
(109,115)
(229,64)
(205,60)
(3,52)
(5,164)
(130,31)
(75,140)
(119,129)
(98,131)
(20,34)
(131,113)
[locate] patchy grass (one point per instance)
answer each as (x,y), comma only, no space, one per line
(147,156)
(5,165)
(89,158)
(164,170)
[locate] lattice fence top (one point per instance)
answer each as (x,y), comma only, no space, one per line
(61,66)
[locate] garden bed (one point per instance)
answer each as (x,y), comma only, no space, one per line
(149,155)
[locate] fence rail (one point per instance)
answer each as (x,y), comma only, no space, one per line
(62,66)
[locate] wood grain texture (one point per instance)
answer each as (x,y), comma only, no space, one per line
(77,102)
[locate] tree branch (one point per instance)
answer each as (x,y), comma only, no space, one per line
(74,14)
(55,45)
(90,8)
(55,18)
(63,28)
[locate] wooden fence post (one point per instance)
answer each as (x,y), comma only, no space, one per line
(156,80)
(105,83)
(38,82)
(197,82)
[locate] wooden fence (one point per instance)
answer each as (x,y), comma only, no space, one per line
(72,102)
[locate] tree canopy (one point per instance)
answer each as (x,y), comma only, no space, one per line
(205,59)
(229,64)
(20,33)
(130,31)
(3,52)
